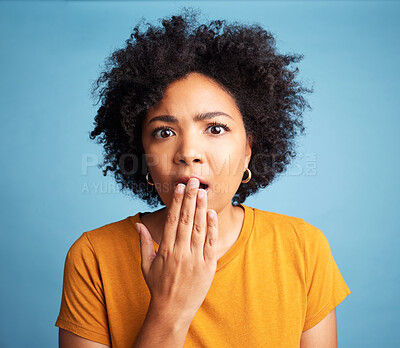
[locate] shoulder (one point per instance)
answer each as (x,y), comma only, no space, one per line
(277,218)
(279,223)
(288,228)
(113,235)
(118,229)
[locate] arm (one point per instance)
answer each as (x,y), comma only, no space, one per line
(67,339)
(161,330)
(158,330)
(322,335)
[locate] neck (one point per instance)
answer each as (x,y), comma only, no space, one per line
(230,220)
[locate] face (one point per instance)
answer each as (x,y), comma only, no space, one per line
(203,135)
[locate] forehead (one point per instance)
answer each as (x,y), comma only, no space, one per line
(194,94)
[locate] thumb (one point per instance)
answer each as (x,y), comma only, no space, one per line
(148,254)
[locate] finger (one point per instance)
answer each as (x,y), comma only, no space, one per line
(199,224)
(211,242)
(185,226)
(147,251)
(172,219)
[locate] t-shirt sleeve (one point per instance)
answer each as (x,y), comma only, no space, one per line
(83,310)
(325,284)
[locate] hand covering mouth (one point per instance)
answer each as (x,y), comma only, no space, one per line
(184,180)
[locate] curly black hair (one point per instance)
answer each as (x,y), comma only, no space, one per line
(244,61)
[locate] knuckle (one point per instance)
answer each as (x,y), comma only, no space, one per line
(163,252)
(198,228)
(186,218)
(191,194)
(171,218)
(210,242)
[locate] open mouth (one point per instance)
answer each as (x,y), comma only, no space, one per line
(202,186)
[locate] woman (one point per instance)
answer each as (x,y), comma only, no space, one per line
(197,118)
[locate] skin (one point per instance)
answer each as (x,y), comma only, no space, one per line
(190,149)
(324,334)
(190,240)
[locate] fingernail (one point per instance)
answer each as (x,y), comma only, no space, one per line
(180,188)
(193,183)
(201,193)
(211,214)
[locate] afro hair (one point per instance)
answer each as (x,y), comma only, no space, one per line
(242,59)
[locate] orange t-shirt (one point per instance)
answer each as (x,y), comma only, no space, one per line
(278,280)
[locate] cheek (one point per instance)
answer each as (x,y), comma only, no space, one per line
(228,161)
(157,161)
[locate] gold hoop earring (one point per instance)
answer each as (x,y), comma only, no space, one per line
(147,179)
(248,178)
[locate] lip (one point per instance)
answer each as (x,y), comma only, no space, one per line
(185,179)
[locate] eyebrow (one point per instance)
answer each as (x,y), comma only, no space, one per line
(197,118)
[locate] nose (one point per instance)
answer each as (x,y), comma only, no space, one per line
(188,150)
(189,159)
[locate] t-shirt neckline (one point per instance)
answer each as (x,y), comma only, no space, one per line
(244,235)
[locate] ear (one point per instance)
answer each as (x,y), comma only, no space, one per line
(249,144)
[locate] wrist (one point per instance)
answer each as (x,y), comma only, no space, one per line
(168,316)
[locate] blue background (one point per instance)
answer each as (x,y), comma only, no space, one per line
(345,180)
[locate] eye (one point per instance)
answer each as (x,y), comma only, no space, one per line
(162,130)
(218,126)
